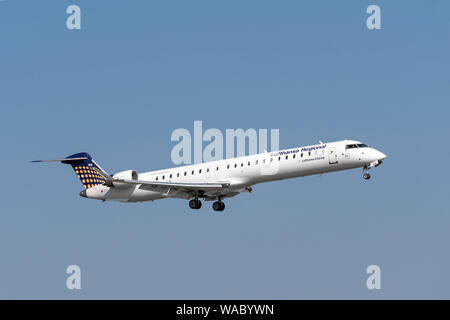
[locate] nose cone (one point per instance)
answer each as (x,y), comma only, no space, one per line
(375,155)
(380,155)
(83,194)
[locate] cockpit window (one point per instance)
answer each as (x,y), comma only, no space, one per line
(359,145)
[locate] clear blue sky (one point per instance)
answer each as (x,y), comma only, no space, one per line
(138,70)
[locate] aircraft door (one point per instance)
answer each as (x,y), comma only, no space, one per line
(332,155)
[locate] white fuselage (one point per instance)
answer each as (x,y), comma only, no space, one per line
(243,172)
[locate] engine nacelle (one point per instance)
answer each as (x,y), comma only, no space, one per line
(125,175)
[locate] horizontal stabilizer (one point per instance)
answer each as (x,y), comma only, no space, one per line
(66,160)
(86,169)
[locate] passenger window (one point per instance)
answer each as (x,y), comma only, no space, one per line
(178,174)
(156,178)
(286,157)
(163,177)
(256,162)
(279,158)
(217,169)
(235,165)
(293,156)
(309,153)
(301,155)
(200,171)
(170,177)
(185,173)
(228,166)
(192,172)
(249,163)
(271,159)
(242,164)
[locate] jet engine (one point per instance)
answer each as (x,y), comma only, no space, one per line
(124,175)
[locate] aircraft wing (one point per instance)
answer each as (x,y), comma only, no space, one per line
(165,187)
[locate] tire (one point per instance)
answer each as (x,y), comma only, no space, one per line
(193,204)
(366,176)
(217,206)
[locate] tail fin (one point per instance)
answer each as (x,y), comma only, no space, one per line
(85,168)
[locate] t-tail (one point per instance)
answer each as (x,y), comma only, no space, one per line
(86,169)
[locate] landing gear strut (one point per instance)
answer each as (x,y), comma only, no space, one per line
(218,205)
(366,175)
(195,204)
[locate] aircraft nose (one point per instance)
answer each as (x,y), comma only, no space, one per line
(380,155)
(83,194)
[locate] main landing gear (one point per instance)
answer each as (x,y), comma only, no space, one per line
(218,205)
(195,204)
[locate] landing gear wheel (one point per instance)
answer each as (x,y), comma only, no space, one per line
(366,176)
(218,206)
(195,204)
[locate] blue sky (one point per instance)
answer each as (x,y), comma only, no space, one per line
(137,70)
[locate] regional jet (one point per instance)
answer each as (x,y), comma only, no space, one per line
(217,180)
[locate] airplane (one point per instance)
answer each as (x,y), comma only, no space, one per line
(217,180)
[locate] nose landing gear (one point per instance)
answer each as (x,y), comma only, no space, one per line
(366,175)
